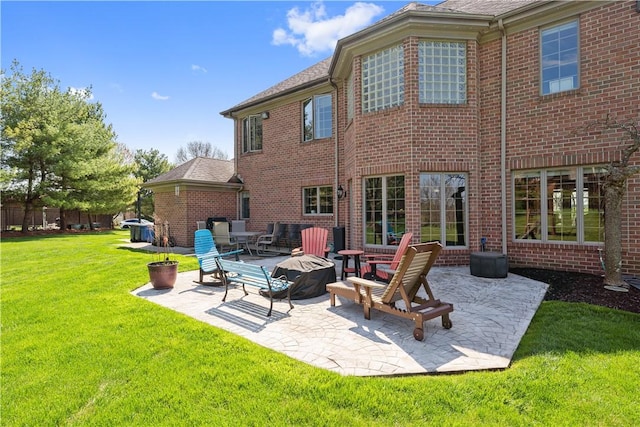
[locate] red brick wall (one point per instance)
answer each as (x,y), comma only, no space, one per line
(415,138)
(191,205)
(540,129)
(276,175)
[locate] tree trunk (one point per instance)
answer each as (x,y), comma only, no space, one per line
(63,219)
(613,195)
(28,211)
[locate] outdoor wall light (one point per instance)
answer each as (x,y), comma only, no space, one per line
(341,192)
(265,115)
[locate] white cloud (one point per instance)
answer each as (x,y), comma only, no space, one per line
(117,87)
(195,67)
(81,92)
(157,96)
(312,31)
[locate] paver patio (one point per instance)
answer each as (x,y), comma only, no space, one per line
(490,318)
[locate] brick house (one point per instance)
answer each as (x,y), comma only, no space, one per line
(194,191)
(458,122)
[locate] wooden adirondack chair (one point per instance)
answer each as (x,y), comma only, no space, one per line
(314,242)
(410,276)
(380,266)
(206,252)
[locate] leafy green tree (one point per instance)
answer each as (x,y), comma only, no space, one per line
(57,149)
(29,134)
(149,164)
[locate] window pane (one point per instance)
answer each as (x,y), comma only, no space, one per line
(322,116)
(430,207)
(526,186)
(456,207)
(251,134)
(244,205)
(442,83)
(593,204)
(326,200)
(373,210)
(307,111)
(559,56)
(310,200)
(383,79)
(395,223)
(561,205)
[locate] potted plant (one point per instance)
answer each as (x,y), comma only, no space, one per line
(163,270)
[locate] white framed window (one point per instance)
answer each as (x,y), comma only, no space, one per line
(317,200)
(351,102)
(383,79)
(252,134)
(442,72)
(444,208)
(317,122)
(559,205)
(245,212)
(384,210)
(559,47)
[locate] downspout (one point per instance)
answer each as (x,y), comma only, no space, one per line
(335,155)
(503,136)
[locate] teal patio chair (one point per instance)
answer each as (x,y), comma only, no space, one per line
(206,252)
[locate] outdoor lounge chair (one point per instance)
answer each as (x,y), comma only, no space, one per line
(268,239)
(314,242)
(377,265)
(222,236)
(206,252)
(411,274)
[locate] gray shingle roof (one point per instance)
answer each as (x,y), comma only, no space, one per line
(486,7)
(202,169)
(310,75)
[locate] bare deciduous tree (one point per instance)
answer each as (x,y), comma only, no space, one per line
(199,149)
(615,185)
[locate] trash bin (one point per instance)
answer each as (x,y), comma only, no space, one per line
(135,233)
(147,234)
(338,239)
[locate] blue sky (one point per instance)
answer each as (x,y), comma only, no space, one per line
(163,71)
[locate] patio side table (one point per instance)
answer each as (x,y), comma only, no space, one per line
(346,254)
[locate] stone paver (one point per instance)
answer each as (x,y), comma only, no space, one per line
(490,316)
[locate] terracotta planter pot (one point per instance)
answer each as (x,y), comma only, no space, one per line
(162,275)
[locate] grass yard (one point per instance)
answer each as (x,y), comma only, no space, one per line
(79,349)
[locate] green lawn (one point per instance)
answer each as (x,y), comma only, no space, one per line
(79,349)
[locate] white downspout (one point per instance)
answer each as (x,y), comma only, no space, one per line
(503,136)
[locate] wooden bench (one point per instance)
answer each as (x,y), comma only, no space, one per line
(252,275)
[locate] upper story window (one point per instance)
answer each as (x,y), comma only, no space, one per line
(383,79)
(252,134)
(559,58)
(317,200)
(317,117)
(442,72)
(351,102)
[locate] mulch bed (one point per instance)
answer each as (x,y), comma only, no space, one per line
(581,287)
